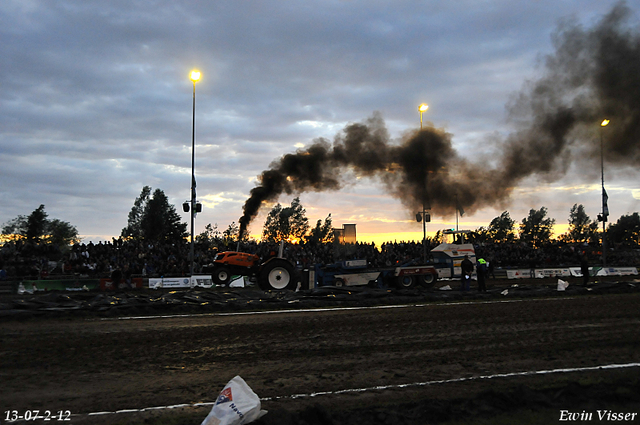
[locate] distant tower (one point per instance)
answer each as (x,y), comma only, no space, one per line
(345,234)
(349,233)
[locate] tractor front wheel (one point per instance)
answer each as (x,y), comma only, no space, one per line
(221,276)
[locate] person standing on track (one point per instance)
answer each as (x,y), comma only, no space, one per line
(481,271)
(584,269)
(491,264)
(467,269)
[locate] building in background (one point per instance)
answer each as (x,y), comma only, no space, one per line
(346,234)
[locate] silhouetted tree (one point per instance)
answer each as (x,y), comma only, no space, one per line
(322,233)
(152,218)
(36,225)
(581,227)
(536,229)
(626,231)
(210,236)
(134,227)
(15,228)
(501,229)
(37,229)
(60,233)
(230,235)
(480,235)
(288,223)
(160,221)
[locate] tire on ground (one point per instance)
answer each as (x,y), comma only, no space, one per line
(276,275)
(221,275)
(405,282)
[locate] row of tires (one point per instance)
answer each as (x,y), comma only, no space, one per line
(410,281)
(401,282)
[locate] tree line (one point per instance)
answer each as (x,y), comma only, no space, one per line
(38,229)
(537,229)
(153,219)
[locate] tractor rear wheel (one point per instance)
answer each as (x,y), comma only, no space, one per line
(276,275)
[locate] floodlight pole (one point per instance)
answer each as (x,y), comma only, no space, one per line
(421,109)
(195,76)
(605,211)
(424,216)
(424,235)
(457,208)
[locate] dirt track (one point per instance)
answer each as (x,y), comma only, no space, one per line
(87,364)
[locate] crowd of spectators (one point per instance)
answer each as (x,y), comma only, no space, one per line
(19,260)
(136,258)
(554,254)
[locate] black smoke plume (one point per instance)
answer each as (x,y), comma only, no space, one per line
(593,74)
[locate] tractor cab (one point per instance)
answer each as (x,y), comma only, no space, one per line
(447,257)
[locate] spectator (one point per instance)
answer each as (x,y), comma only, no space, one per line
(491,271)
(466,269)
(116,277)
(584,269)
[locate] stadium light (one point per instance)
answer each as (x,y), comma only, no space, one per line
(422,108)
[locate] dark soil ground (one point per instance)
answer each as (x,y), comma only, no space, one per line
(329,356)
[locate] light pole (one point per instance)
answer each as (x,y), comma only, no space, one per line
(422,108)
(605,207)
(195,76)
(424,216)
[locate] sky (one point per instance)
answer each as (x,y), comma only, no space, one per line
(96,102)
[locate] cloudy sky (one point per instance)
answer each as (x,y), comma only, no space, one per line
(96,102)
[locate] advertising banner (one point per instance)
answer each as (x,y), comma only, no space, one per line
(525,274)
(107,284)
(570,271)
(203,281)
(31,286)
(615,271)
(559,272)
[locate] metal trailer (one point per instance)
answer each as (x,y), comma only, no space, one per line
(357,273)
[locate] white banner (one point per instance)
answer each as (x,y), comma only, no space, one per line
(570,271)
(525,274)
(564,272)
(181,282)
(616,271)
